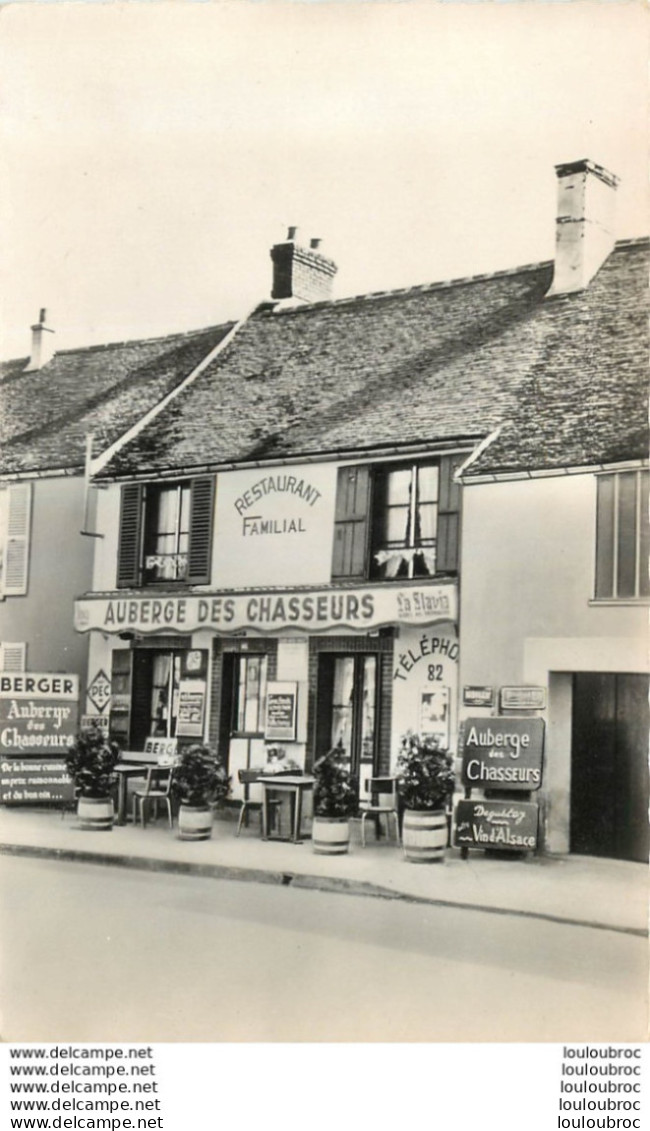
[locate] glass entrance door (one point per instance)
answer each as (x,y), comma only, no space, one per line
(347,710)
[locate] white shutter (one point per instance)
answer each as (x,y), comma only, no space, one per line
(16,555)
(12,657)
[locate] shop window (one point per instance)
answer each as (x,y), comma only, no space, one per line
(166,533)
(249,694)
(155,694)
(397,521)
(622,536)
(15,515)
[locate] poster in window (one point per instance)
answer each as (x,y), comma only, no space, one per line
(434,714)
(281,711)
(191,708)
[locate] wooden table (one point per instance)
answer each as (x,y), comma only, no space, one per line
(293,784)
(129,767)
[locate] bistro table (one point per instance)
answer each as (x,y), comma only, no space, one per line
(293,784)
(131,765)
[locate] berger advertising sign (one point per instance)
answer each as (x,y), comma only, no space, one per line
(503,753)
(307,610)
(38,712)
(497,824)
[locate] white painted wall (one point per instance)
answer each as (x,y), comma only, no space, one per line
(527,614)
(527,581)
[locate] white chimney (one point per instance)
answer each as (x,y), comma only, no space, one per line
(42,343)
(584,232)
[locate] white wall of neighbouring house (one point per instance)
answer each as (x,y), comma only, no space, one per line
(60,569)
(527,610)
(528,558)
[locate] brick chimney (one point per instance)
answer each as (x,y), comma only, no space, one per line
(42,343)
(301,273)
(584,233)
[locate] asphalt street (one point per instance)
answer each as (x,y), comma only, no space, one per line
(96,953)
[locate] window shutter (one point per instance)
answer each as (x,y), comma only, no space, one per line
(12,657)
(448,516)
(16,556)
(201,511)
(351,522)
(128,553)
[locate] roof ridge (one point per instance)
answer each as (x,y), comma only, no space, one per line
(269,307)
(100,346)
(417,288)
(144,341)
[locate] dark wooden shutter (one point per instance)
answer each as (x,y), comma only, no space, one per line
(448,516)
(351,522)
(128,553)
(201,510)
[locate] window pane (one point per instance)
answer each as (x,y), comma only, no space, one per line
(626,571)
(428,484)
(160,694)
(644,555)
(397,522)
(251,694)
(605,537)
(427,516)
(398,486)
(342,699)
(368,708)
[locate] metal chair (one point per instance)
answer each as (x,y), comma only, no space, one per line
(247,778)
(157,787)
(383,803)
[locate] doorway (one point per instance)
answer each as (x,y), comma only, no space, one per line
(347,710)
(609,765)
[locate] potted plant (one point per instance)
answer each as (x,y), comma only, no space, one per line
(200,781)
(335,801)
(425,782)
(90,762)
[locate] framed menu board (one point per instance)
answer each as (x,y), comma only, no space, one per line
(281,711)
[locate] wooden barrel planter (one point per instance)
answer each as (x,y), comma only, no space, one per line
(194,822)
(330,835)
(424,835)
(95,813)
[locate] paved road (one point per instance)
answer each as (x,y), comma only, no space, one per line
(109,954)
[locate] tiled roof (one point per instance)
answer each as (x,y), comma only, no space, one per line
(46,414)
(399,367)
(448,362)
(583,398)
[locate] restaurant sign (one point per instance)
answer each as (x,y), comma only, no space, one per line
(38,712)
(497,824)
(28,781)
(303,610)
(503,753)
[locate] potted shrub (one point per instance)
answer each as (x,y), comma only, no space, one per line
(335,801)
(90,762)
(425,782)
(200,781)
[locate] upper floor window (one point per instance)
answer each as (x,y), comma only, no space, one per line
(405,518)
(166,532)
(622,536)
(397,521)
(15,528)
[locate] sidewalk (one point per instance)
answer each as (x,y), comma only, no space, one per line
(589,891)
